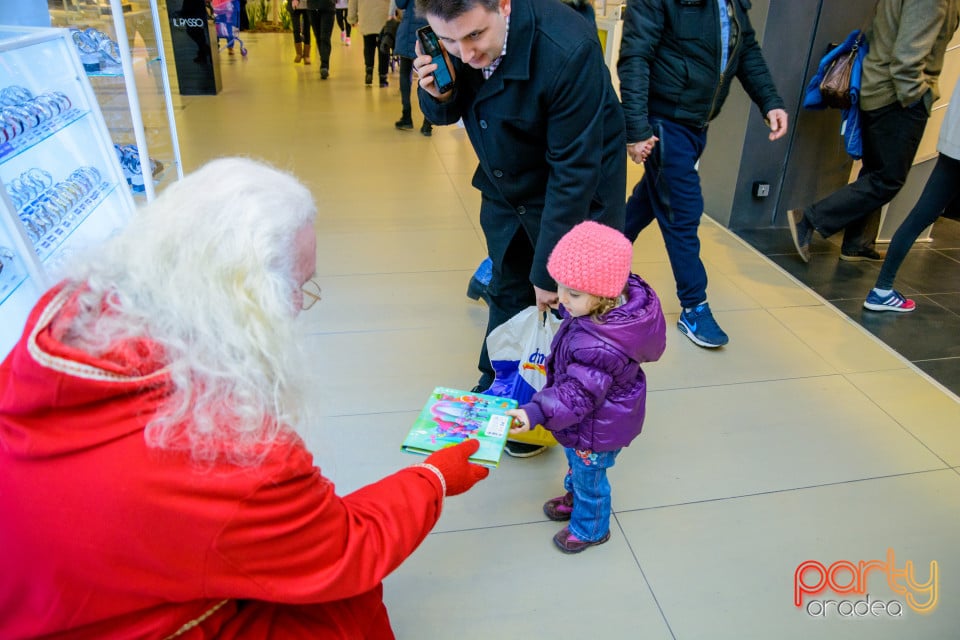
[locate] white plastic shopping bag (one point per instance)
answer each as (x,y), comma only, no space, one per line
(518,351)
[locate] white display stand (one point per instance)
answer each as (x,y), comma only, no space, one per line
(61,184)
(135,98)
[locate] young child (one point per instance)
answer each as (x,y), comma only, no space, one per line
(595,396)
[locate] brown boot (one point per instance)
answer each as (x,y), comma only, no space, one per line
(299,47)
(306,54)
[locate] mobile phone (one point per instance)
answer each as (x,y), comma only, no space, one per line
(443,77)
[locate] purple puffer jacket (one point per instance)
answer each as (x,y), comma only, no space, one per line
(595,396)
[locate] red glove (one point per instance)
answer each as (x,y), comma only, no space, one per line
(458,474)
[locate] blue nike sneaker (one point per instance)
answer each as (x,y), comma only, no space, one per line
(698,325)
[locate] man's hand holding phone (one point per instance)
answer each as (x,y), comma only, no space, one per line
(432,65)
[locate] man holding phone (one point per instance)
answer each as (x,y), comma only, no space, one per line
(531,86)
(677,61)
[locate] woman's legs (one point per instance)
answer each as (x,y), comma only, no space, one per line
(938,194)
(300,24)
(406,72)
(344,26)
(383,63)
(303,19)
(322,23)
(369,51)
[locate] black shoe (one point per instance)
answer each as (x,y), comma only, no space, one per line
(523,449)
(368,77)
(863,255)
(427,129)
(324,73)
(476,290)
(404,124)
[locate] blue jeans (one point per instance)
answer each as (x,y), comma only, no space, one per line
(587,481)
(670,193)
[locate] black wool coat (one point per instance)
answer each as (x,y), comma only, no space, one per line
(548,131)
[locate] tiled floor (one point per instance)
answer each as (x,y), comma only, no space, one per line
(930,336)
(805,439)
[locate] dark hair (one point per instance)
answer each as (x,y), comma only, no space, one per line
(448,10)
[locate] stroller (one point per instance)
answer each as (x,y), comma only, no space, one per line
(226,17)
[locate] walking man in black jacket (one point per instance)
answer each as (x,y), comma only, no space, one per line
(677,60)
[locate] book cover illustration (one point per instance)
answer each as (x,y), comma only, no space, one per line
(450,416)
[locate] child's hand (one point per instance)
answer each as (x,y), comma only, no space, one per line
(521,421)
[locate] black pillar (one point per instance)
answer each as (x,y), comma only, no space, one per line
(195,50)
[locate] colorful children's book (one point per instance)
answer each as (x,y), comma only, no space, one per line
(450,416)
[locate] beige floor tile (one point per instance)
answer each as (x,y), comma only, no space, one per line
(512,583)
(717,442)
(760,348)
(469,196)
(648,247)
(459,162)
(394,301)
(724,570)
(379,371)
(922,408)
(838,340)
(376,251)
(341,211)
(382,186)
(766,284)
(723,294)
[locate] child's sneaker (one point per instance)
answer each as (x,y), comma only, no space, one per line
(569,543)
(559,509)
(343,36)
(346,41)
(893,301)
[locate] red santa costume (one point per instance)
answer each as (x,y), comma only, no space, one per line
(102,536)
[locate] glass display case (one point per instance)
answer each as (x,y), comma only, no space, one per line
(61,185)
(121,49)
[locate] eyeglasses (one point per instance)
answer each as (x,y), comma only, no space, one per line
(311,294)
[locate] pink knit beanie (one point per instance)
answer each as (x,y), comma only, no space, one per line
(592,258)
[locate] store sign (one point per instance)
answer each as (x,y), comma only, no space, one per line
(185,23)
